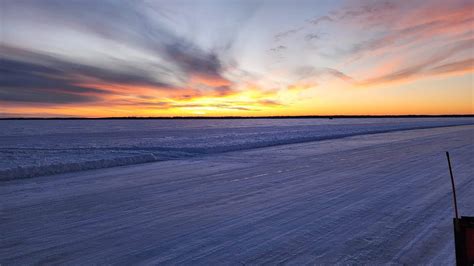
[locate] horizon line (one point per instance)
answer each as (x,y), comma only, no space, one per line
(234,117)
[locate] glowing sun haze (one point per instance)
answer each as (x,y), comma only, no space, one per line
(243,58)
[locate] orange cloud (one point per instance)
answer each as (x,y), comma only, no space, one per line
(213,81)
(427,67)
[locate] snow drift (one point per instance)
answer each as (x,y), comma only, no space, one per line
(30,148)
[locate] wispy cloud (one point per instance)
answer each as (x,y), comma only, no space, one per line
(282,35)
(461,66)
(132,24)
(427,67)
(279,48)
(27,76)
(394,27)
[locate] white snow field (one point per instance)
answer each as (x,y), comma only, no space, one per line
(30,148)
(367,199)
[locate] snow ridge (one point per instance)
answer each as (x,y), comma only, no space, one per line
(88,145)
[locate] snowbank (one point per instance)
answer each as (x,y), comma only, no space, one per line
(67,146)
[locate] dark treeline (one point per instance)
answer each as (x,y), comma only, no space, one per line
(232,117)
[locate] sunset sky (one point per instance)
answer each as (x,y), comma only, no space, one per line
(243,58)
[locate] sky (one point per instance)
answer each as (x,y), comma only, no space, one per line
(90,58)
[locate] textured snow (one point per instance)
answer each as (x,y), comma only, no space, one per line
(368,199)
(33,148)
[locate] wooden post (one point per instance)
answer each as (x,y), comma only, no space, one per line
(454,187)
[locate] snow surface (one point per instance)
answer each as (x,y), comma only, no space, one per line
(368,199)
(30,148)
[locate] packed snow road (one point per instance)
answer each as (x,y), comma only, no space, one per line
(365,199)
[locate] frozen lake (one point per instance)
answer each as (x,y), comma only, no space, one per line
(366,199)
(30,148)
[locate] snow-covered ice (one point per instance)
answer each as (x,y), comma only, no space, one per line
(33,148)
(366,199)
